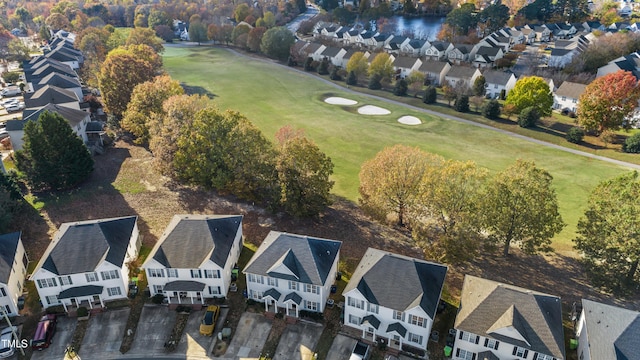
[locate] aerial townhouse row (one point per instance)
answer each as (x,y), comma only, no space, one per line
(390,298)
(53,85)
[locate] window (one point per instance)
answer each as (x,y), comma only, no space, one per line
(114,291)
(491,343)
(575,101)
(256,278)
(157,289)
(311,305)
(65,280)
(3,292)
(19,287)
(172,273)
(495,86)
(214,290)
(465,354)
(45,283)
(293,285)
(520,352)
(311,289)
(354,320)
(355,303)
(272,281)
(417,320)
(257,295)
(52,299)
(212,274)
(564,98)
(372,308)
(415,338)
(25,260)
(398,315)
(111,274)
(546,357)
(155,272)
(196,274)
(91,277)
(470,337)
(8,309)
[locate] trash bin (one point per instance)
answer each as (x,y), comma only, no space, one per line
(447,351)
(573,344)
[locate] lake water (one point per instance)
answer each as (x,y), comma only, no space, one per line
(421,27)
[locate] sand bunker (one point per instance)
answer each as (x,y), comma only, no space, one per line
(339,101)
(373,110)
(409,120)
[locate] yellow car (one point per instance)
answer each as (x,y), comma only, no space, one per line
(209,320)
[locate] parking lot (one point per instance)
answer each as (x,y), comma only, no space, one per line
(61,339)
(299,341)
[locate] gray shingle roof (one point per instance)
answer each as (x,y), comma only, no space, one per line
(488,51)
(295,257)
(486,307)
(275,294)
(571,90)
(404,62)
(76,291)
(331,51)
(80,247)
(73,116)
(497,77)
(560,52)
(190,240)
(397,327)
(293,296)
(613,332)
(184,285)
(433,66)
(461,72)
(8,248)
(58,80)
(50,94)
(376,278)
(372,320)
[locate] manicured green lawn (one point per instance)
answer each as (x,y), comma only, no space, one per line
(273,96)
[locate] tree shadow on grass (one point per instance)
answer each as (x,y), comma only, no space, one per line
(197,90)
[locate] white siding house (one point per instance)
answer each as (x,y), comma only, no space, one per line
(13,268)
(567,96)
(291,273)
(497,81)
(394,298)
(86,264)
(505,322)
(194,258)
(607,332)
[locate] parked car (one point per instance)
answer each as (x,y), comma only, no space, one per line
(10,91)
(44,332)
(360,351)
(4,133)
(209,320)
(7,342)
(15,107)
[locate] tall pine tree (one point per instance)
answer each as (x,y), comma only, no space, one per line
(53,157)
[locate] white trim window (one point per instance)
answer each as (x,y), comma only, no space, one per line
(311,305)
(156,273)
(543,357)
(293,286)
(258,279)
(417,320)
(172,273)
(214,290)
(256,295)
(359,304)
(398,315)
(463,354)
(492,344)
(355,320)
(158,289)
(45,283)
(196,274)
(91,277)
(310,288)
(3,292)
(211,274)
(114,291)
(52,299)
(110,274)
(415,338)
(65,280)
(272,281)
(372,308)
(470,337)
(520,352)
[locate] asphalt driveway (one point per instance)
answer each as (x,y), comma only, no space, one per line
(192,344)
(104,334)
(298,341)
(250,336)
(64,331)
(341,347)
(154,327)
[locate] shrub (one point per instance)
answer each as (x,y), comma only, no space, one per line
(632,144)
(323,68)
(401,88)
(183,309)
(430,95)
(528,117)
(462,103)
(157,299)
(575,135)
(491,110)
(572,114)
(308,64)
(82,311)
(352,79)
(335,75)
(291,61)
(374,82)
(503,94)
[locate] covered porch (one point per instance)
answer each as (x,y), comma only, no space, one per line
(184,292)
(292,302)
(396,333)
(87,296)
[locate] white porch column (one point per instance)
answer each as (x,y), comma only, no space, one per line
(64,306)
(297,307)
(191,296)
(90,303)
(179,297)
(101,302)
(364,333)
(266,304)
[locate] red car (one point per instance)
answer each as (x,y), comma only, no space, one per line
(44,332)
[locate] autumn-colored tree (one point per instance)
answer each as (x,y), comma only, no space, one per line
(450,93)
(382,66)
(93,44)
(415,81)
(146,99)
(608,101)
(167,126)
(508,110)
(608,233)
(390,183)
(58,22)
(212,32)
(358,64)
(224,34)
(145,36)
(122,70)
(531,91)
(239,30)
(304,173)
(520,206)
(268,20)
(241,12)
(254,38)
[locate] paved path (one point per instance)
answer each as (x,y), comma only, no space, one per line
(434,113)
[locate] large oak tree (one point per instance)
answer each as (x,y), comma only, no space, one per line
(531,91)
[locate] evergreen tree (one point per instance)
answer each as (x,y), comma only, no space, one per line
(53,157)
(352,79)
(430,95)
(401,88)
(323,69)
(462,103)
(491,110)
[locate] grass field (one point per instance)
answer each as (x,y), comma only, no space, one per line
(272,96)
